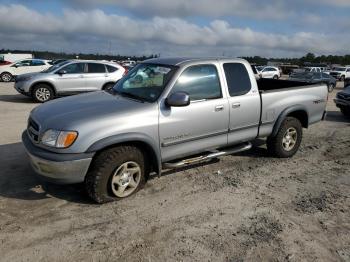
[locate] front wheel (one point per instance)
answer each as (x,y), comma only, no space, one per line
(42,93)
(115,174)
(6,77)
(288,139)
(345,111)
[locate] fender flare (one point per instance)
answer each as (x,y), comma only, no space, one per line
(152,146)
(285,113)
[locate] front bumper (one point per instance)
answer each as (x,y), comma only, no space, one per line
(55,167)
(21,88)
(341,102)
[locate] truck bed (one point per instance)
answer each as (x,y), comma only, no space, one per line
(272,84)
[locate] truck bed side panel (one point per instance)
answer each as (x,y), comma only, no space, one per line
(312,98)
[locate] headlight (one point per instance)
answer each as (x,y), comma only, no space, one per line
(59,139)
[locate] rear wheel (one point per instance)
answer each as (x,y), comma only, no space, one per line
(6,77)
(115,174)
(342,78)
(42,93)
(108,87)
(288,139)
(275,77)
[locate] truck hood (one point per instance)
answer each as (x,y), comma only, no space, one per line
(76,111)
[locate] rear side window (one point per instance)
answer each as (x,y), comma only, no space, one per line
(200,82)
(237,77)
(111,69)
(96,68)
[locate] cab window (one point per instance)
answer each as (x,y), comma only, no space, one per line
(201,82)
(237,78)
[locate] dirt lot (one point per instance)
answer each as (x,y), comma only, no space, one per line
(245,207)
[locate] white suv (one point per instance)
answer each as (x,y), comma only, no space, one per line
(8,72)
(270,72)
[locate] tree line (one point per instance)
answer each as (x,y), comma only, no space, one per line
(61,55)
(308,58)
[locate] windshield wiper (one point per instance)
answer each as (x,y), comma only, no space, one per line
(130,95)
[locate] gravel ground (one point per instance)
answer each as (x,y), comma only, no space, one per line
(244,207)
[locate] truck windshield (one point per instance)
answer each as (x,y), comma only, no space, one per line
(145,82)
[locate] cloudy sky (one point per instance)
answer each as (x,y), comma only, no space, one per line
(273,28)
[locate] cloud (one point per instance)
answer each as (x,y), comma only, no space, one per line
(93,30)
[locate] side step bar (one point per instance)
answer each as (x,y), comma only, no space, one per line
(227,151)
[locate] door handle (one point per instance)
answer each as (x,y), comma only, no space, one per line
(219,108)
(81,76)
(236,105)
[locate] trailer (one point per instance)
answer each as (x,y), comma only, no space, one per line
(14,57)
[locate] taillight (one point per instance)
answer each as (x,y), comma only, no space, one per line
(126,71)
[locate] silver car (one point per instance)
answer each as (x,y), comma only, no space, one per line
(69,77)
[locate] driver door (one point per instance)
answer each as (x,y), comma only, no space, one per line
(22,67)
(73,79)
(200,126)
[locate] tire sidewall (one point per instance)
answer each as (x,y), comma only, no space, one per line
(42,86)
(100,176)
(6,73)
(286,124)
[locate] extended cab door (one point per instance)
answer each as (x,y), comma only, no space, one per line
(200,126)
(244,103)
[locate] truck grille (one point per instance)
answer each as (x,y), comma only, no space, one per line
(33,130)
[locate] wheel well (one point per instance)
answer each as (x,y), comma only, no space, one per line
(147,150)
(302,116)
(46,83)
(104,86)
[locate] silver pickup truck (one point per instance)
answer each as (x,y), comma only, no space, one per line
(167,113)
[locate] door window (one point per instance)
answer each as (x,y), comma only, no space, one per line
(37,63)
(76,68)
(23,63)
(237,78)
(96,68)
(200,82)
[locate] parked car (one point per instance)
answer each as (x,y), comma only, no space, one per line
(183,112)
(270,72)
(8,72)
(4,62)
(57,61)
(315,77)
(342,101)
(69,77)
(340,73)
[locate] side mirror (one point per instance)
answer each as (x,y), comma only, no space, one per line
(178,99)
(62,72)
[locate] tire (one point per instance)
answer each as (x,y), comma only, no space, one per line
(42,93)
(330,87)
(275,77)
(277,145)
(6,77)
(110,177)
(342,78)
(108,87)
(345,111)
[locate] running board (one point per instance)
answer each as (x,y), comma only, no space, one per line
(228,151)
